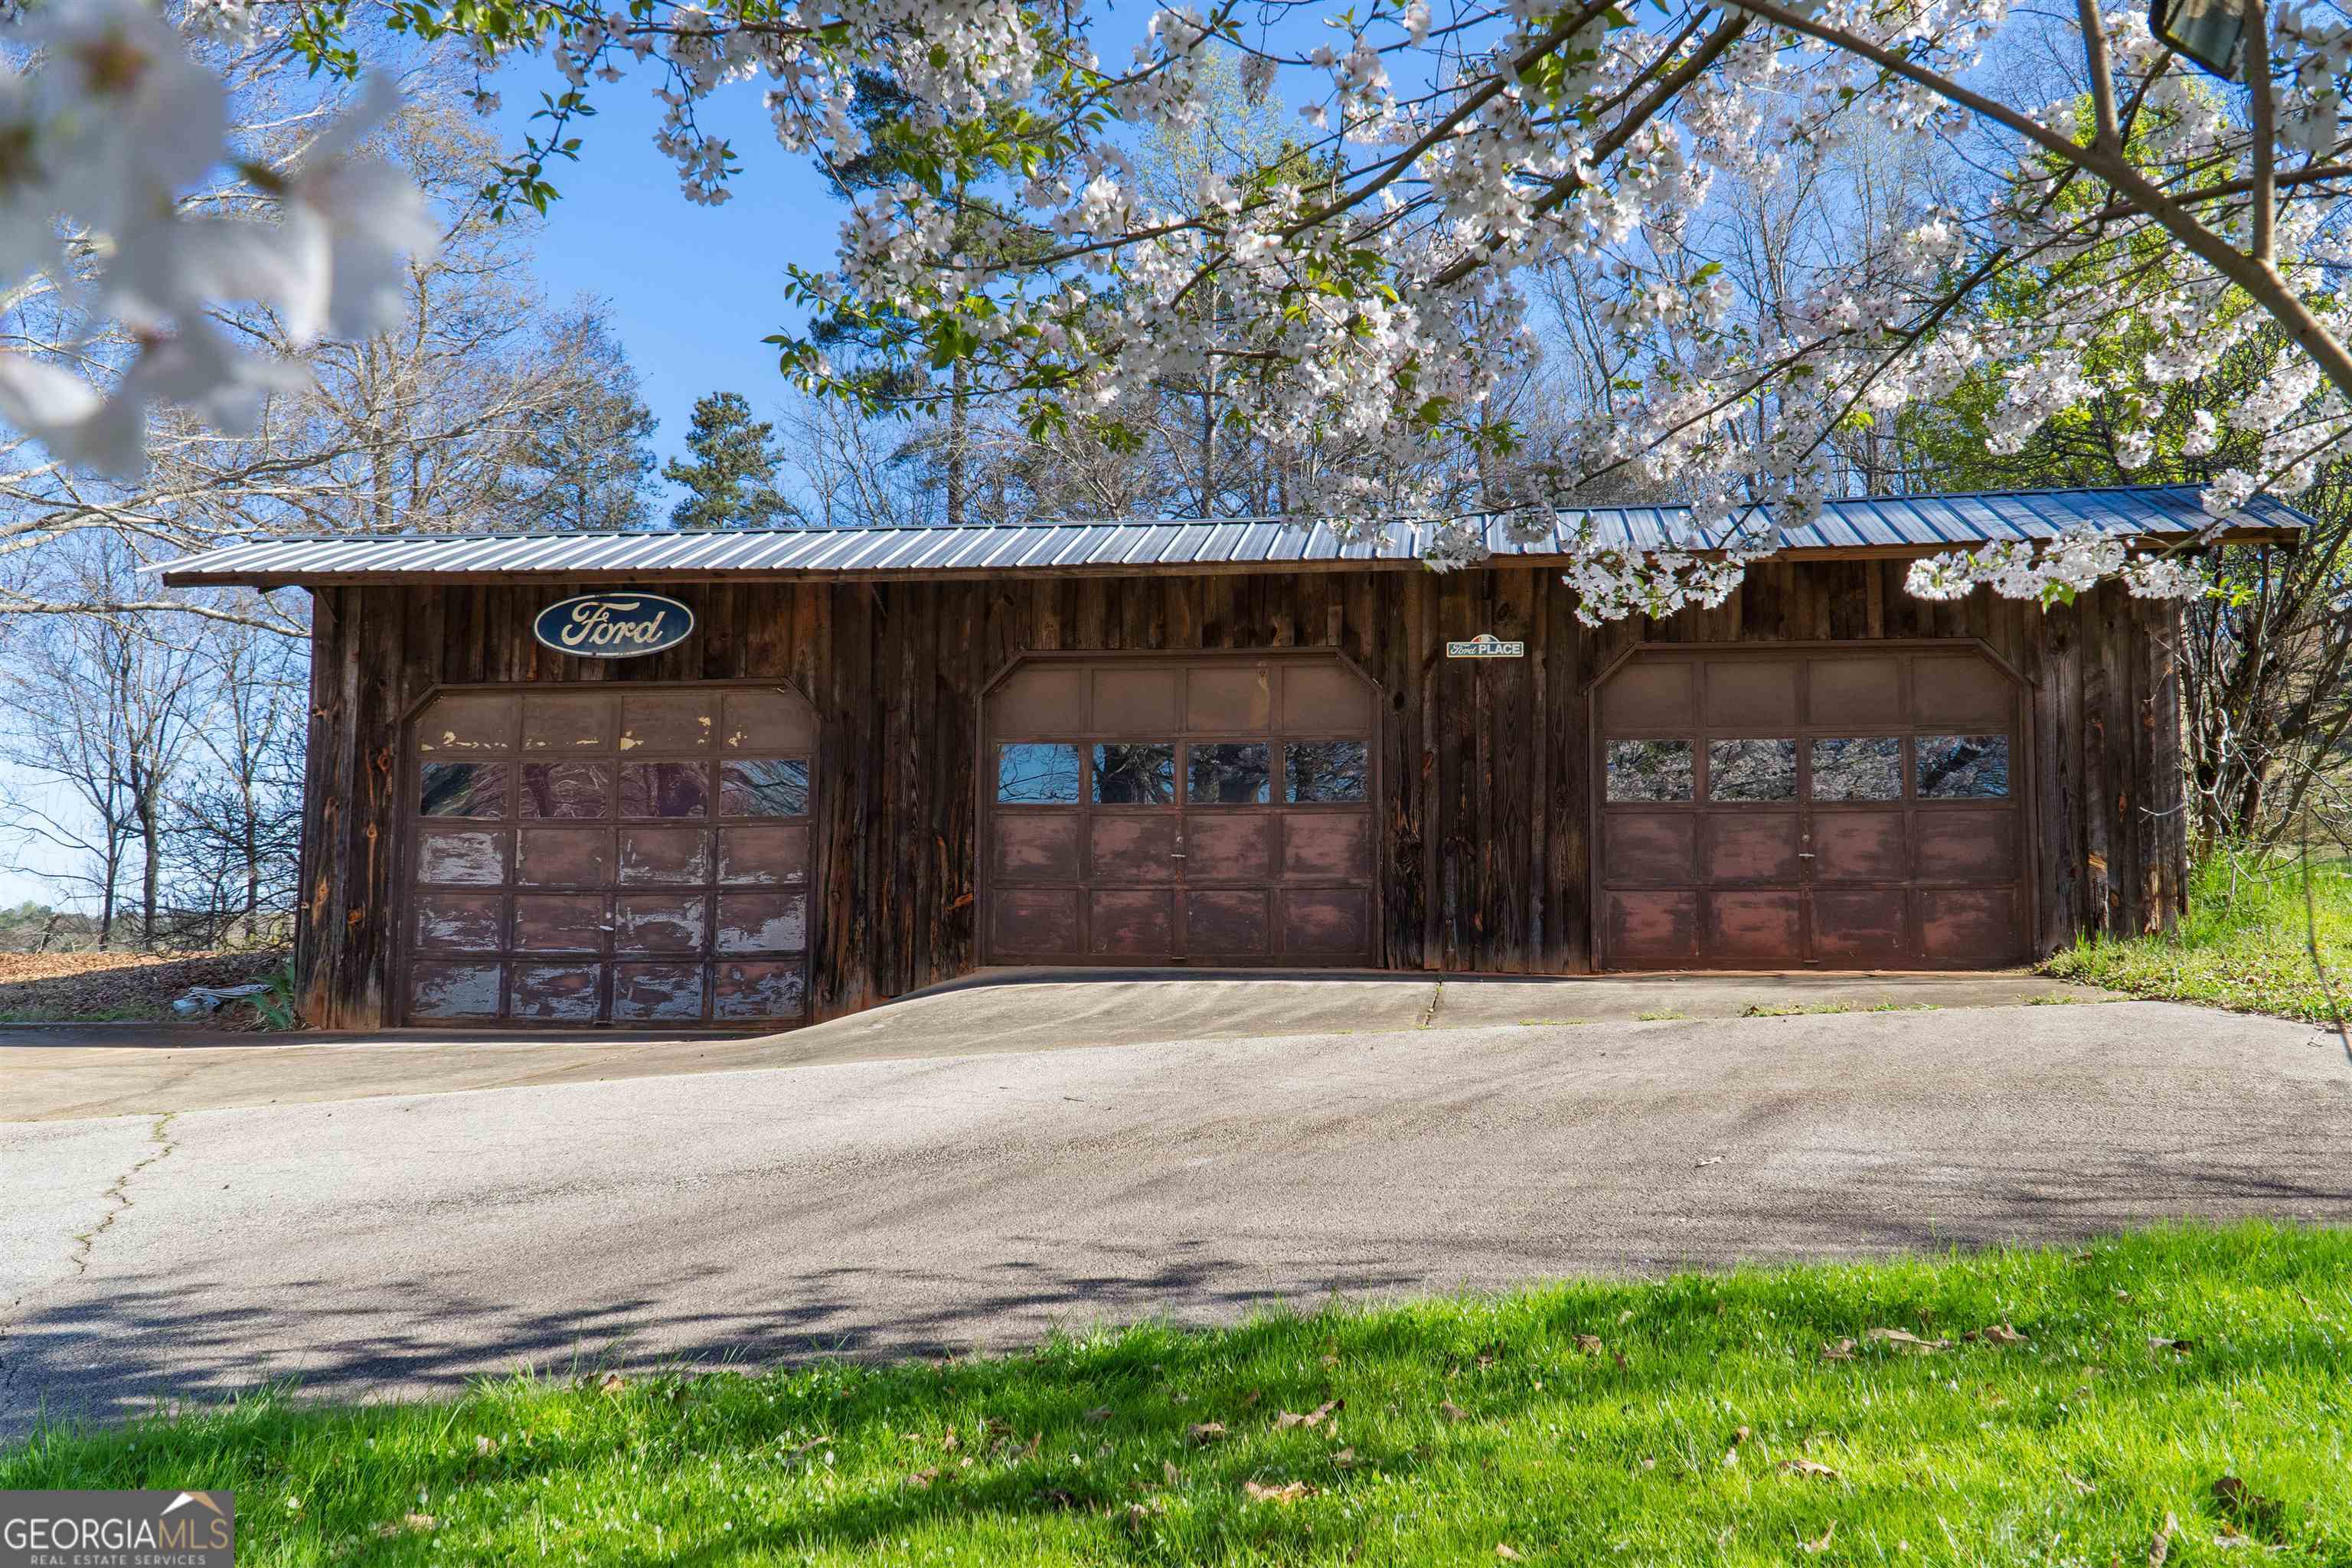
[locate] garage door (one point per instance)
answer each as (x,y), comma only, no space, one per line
(636,857)
(1846,809)
(1209,811)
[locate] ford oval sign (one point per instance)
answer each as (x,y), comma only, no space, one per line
(613,626)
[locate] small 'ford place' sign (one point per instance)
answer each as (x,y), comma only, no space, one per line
(613,626)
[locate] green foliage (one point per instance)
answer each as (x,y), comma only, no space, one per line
(280,1005)
(2243,945)
(2199,1374)
(731,483)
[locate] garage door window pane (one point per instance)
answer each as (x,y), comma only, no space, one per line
(665,789)
(1228,773)
(1963,767)
(1860,767)
(1751,769)
(463,789)
(566,789)
(765,786)
(1036,773)
(1649,770)
(1140,774)
(1324,771)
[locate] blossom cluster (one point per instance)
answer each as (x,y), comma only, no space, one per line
(107,132)
(1368,290)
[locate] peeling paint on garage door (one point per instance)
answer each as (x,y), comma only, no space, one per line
(636,857)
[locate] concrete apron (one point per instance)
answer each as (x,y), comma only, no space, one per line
(63,1073)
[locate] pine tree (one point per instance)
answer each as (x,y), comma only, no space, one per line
(731,483)
(584,465)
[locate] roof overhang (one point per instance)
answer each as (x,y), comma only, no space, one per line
(1878,528)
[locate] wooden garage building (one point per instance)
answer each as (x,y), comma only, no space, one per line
(882,759)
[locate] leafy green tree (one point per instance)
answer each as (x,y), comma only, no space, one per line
(731,483)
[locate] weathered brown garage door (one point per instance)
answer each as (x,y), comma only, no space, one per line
(636,856)
(1846,808)
(1208,810)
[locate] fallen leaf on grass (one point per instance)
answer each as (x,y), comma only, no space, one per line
(409,1524)
(612,1383)
(1289,1418)
(1100,1412)
(2079,1484)
(485,1444)
(1625,1317)
(2178,1347)
(1453,1412)
(1290,1491)
(1174,1476)
(1902,1340)
(1249,1400)
(1842,1350)
(2160,1545)
(1821,1545)
(923,1478)
(2228,1537)
(2263,1515)
(1996,1334)
(1207,1432)
(1503,1550)
(1589,1343)
(1807,1468)
(1345,1458)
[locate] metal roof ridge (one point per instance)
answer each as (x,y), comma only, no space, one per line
(1301,519)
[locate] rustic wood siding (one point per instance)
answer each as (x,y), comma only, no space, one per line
(1485,854)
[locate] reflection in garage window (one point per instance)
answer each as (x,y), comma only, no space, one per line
(1325,770)
(1037,772)
(1963,767)
(1226,772)
(763,786)
(1649,770)
(565,789)
(1136,773)
(1751,769)
(1859,767)
(665,789)
(463,789)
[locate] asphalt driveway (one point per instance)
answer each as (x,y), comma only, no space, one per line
(922,1197)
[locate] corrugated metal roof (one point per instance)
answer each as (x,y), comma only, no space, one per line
(1921,523)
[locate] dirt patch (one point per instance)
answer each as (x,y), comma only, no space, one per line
(93,987)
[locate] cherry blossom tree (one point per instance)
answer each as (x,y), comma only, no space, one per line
(1371,285)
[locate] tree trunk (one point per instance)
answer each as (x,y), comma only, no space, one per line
(959,442)
(151,875)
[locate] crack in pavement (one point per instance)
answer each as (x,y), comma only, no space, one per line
(118,1198)
(1437,995)
(119,1194)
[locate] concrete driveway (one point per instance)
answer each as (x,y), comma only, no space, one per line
(927,1179)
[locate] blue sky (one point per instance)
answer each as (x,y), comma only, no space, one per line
(692,288)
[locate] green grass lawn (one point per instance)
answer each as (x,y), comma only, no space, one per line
(2200,1376)
(2242,945)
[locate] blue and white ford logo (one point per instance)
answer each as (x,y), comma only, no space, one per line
(613,626)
